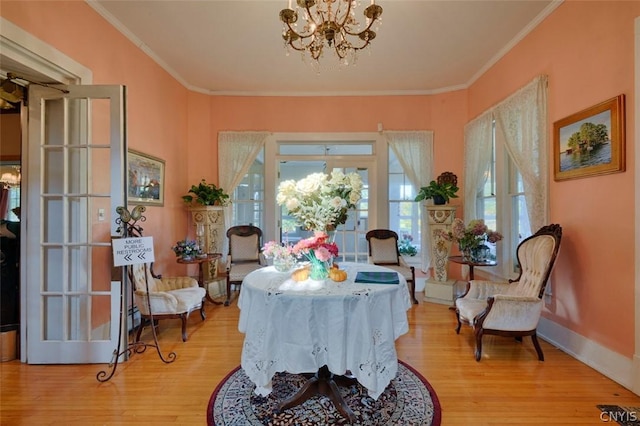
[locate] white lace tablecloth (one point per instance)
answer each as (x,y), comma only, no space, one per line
(299,327)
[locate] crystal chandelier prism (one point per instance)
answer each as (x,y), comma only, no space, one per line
(329,24)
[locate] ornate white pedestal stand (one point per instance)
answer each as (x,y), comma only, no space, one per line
(438,288)
(210,234)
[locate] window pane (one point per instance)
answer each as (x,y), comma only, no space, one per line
(523,227)
(248,197)
(325,149)
(404,213)
(519,183)
(490,212)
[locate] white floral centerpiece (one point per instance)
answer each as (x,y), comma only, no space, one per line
(320,202)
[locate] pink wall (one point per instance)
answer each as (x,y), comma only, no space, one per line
(593,280)
(586,49)
(441,113)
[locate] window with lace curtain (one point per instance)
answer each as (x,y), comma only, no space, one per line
(248,197)
(404,212)
(506,169)
(502,205)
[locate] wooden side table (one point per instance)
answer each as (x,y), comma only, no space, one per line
(471,264)
(201,261)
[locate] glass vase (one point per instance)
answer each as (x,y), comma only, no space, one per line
(284,264)
(319,269)
(480,253)
(467,254)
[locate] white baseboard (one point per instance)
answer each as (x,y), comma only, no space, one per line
(613,365)
(441,292)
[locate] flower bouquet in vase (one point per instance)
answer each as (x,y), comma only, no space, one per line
(186,249)
(320,253)
(282,255)
(321,202)
(472,239)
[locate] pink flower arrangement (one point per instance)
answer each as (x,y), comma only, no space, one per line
(316,247)
(471,236)
(275,250)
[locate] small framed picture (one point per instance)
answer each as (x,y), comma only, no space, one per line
(590,142)
(145,179)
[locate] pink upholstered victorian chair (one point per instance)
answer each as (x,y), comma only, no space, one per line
(512,308)
(171,297)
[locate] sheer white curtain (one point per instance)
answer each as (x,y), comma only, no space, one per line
(478,139)
(415,154)
(522,120)
(236,153)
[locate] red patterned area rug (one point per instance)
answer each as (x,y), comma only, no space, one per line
(408,400)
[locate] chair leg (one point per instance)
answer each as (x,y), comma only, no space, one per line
(413,292)
(536,344)
(183,318)
(226,302)
(203,315)
(459,322)
(478,331)
(143,322)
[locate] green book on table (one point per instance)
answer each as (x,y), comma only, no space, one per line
(377,277)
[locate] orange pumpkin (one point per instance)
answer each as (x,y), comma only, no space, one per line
(337,275)
(300,274)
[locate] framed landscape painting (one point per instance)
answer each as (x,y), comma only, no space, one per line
(590,142)
(145,179)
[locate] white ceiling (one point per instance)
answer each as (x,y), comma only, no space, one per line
(236,47)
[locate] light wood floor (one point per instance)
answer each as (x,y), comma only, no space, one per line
(509,385)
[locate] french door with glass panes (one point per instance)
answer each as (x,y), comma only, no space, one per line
(76,139)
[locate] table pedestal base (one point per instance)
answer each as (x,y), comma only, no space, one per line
(324,382)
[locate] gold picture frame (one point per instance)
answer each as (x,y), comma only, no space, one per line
(145,179)
(590,142)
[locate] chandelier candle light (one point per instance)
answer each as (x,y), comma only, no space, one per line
(330,23)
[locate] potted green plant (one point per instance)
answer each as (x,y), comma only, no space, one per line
(206,194)
(440,193)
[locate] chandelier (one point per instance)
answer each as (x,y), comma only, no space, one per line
(331,24)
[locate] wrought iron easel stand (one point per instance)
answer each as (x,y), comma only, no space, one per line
(129,228)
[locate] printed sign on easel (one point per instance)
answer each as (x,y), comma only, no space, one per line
(132,251)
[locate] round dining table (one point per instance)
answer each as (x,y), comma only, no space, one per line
(328,328)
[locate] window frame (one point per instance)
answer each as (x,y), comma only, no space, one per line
(416,211)
(503,174)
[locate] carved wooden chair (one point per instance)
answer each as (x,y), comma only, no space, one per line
(383,251)
(171,297)
(512,308)
(245,242)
